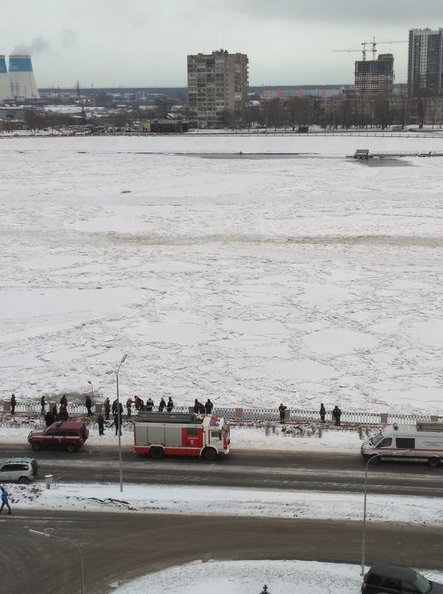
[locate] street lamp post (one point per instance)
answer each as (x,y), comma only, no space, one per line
(363,541)
(119,428)
(82,572)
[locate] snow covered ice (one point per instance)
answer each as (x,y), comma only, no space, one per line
(252,281)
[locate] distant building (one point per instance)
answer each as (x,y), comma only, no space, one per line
(21,78)
(375,77)
(217,87)
(425,63)
(17,82)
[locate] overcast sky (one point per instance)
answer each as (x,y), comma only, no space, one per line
(145,42)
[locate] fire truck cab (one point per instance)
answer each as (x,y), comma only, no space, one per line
(159,434)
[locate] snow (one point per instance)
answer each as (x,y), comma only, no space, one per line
(248,279)
(249,577)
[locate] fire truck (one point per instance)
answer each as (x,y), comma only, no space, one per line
(158,434)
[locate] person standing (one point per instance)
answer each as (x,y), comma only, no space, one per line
(128,406)
(322,412)
(170,405)
(5,500)
(101,424)
(118,417)
(149,404)
(13,402)
(162,405)
(107,409)
(208,407)
(282,411)
(196,406)
(63,412)
(88,404)
(42,406)
(49,418)
(336,415)
(64,400)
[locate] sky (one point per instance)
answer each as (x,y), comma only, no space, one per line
(145,42)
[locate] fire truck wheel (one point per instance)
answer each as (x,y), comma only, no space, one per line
(209,454)
(156,453)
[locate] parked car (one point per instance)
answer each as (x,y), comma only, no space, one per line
(21,470)
(68,435)
(391,579)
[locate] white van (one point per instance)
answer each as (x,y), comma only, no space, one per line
(421,441)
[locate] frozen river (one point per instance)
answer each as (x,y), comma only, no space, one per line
(249,280)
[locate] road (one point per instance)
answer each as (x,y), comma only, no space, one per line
(242,468)
(124,545)
(118,547)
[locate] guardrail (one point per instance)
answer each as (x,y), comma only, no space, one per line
(249,414)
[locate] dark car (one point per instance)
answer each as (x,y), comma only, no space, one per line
(68,435)
(391,579)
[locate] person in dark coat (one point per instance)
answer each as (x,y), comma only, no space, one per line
(54,413)
(196,406)
(162,405)
(64,400)
(13,402)
(117,418)
(336,415)
(208,407)
(282,410)
(88,404)
(63,413)
(170,404)
(138,402)
(101,424)
(42,406)
(107,409)
(114,407)
(322,412)
(49,418)
(149,404)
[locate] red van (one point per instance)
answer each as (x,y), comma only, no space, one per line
(67,435)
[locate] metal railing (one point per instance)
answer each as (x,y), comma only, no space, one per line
(241,414)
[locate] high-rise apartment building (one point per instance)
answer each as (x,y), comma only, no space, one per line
(217,87)
(425,64)
(375,77)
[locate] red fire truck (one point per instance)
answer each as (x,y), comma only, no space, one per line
(159,434)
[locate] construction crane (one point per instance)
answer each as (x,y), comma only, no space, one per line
(373,45)
(362,50)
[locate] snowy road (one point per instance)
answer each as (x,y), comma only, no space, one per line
(122,546)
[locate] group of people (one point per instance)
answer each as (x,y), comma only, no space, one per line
(336,414)
(55,414)
(203,409)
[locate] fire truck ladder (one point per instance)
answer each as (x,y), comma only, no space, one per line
(165,417)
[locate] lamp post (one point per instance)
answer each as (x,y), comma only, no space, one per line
(363,541)
(92,390)
(119,428)
(82,572)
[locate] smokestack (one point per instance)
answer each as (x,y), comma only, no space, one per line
(5,87)
(21,77)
